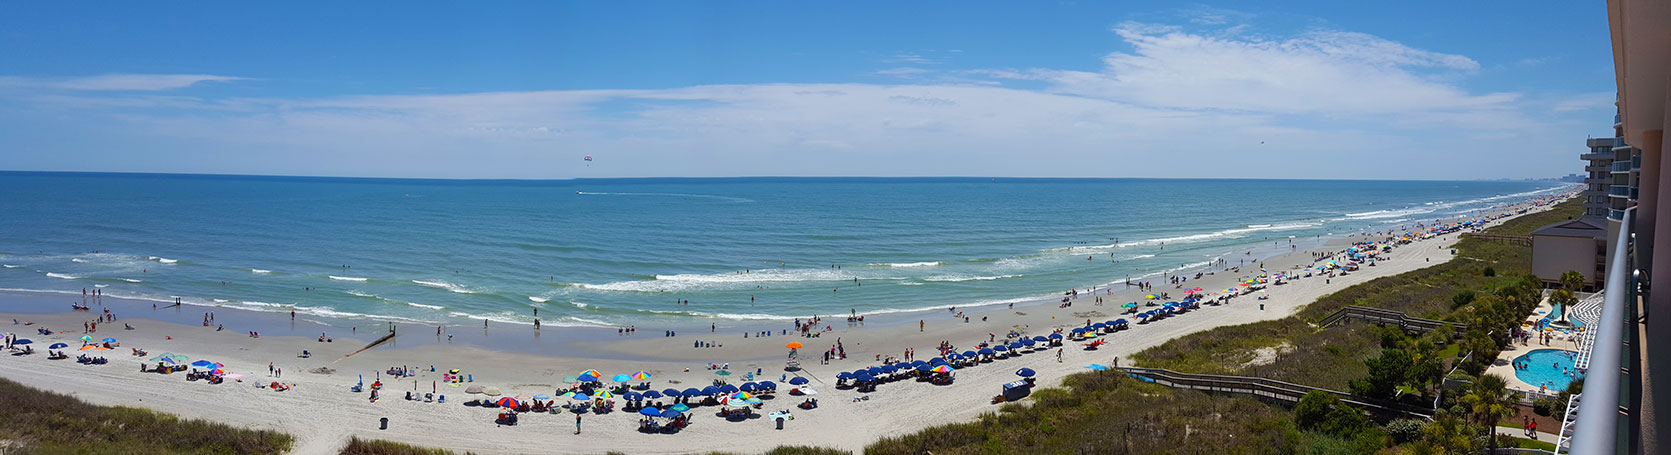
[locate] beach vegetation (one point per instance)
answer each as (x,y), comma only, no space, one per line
(357,446)
(39,421)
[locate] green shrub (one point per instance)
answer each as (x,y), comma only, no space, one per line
(1466,297)
(1405,430)
(1545,406)
(1489,272)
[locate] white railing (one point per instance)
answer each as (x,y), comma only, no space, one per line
(1594,429)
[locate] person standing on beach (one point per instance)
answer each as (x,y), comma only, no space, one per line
(577,424)
(921,324)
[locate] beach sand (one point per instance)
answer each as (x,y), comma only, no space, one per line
(322,413)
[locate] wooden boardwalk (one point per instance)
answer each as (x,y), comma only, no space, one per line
(1272,390)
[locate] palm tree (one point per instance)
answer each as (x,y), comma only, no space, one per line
(1489,401)
(1571,282)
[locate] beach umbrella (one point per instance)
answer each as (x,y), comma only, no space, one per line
(641,375)
(633,396)
(1028,341)
(587,378)
(491,391)
(798,380)
(107,340)
(691,392)
(203,364)
(1098,367)
(507,402)
(874,370)
(858,372)
(1000,348)
(651,394)
(672,393)
(735,404)
(942,369)
(710,390)
(972,353)
(603,394)
(1129,305)
(88,347)
(1101,325)
(86,338)
(924,368)
(768,385)
(728,388)
(58,346)
(577,396)
(742,396)
(918,363)
(890,368)
(680,407)
(749,387)
(670,413)
(987,351)
(542,397)
(652,412)
(793,345)
(622,378)
(1151,296)
(1016,345)
(808,392)
(473,389)
(937,361)
(844,375)
(1041,339)
(23,341)
(592,373)
(723,372)
(1025,372)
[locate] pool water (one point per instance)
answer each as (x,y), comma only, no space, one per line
(1544,368)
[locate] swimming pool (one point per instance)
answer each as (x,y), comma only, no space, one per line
(1544,367)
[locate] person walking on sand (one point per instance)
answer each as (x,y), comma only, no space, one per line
(1058,355)
(921,324)
(577,424)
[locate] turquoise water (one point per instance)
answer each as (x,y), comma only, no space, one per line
(1555,310)
(601,252)
(1544,368)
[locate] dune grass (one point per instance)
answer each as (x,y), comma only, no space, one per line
(357,446)
(39,421)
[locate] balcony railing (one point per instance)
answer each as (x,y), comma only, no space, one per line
(1619,191)
(1607,155)
(1620,166)
(1616,215)
(1595,428)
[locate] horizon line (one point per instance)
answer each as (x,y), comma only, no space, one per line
(736,177)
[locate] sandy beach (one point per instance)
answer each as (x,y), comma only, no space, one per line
(322,413)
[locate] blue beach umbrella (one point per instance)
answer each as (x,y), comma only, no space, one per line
(889,368)
(728,388)
(203,363)
(970,353)
(923,368)
(23,341)
(652,394)
(622,378)
(858,372)
(691,392)
(1098,325)
(768,385)
(542,397)
(1041,339)
(918,363)
(1027,341)
(577,396)
(749,387)
(58,346)
(937,361)
(1025,372)
(844,375)
(1055,336)
(107,340)
(587,378)
(710,390)
(1000,348)
(1016,345)
(631,396)
(874,370)
(670,413)
(798,381)
(672,393)
(652,412)
(987,351)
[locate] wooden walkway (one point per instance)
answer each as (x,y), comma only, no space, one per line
(1380,316)
(1271,390)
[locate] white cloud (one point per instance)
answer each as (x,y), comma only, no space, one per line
(1326,104)
(119,82)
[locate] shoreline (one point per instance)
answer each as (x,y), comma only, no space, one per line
(323,414)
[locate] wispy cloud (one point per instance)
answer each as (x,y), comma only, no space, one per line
(118,82)
(1325,103)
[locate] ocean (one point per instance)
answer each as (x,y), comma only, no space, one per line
(627,251)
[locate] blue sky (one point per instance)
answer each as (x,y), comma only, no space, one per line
(1423,90)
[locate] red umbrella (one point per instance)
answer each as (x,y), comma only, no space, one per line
(507,402)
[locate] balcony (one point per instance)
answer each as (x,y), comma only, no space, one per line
(1593,424)
(1608,155)
(1620,167)
(1619,191)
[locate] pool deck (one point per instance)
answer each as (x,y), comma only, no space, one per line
(1502,366)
